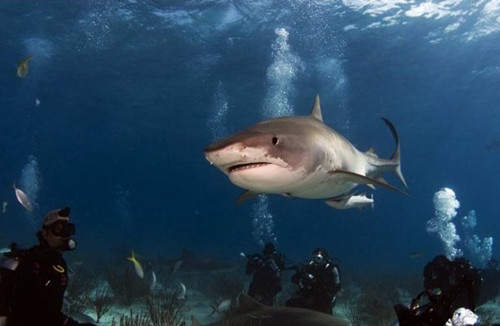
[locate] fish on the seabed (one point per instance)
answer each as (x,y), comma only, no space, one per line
(23,67)
(252,313)
(137,265)
(153,281)
(223,307)
(22,198)
(182,292)
(4,207)
(300,156)
(351,201)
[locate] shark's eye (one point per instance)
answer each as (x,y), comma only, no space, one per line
(275,141)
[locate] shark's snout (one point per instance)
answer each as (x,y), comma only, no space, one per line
(225,155)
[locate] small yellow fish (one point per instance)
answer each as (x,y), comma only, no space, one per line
(137,265)
(22,198)
(23,67)
(4,207)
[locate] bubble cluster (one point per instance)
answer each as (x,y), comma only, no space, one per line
(479,251)
(280,76)
(445,205)
(262,222)
(469,221)
(218,113)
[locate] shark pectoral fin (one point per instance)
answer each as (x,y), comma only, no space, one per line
(194,322)
(246,196)
(361,179)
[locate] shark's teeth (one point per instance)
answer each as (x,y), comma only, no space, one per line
(246,166)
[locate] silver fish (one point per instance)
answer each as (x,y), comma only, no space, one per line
(23,199)
(351,201)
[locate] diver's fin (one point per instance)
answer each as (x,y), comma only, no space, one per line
(361,179)
(246,196)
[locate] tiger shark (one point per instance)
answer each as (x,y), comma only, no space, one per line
(252,313)
(300,156)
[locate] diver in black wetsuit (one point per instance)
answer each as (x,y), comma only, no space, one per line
(267,267)
(318,281)
(34,280)
(448,285)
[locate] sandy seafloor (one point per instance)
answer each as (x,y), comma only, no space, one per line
(199,306)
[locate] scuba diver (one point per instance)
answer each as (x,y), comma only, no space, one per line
(448,286)
(266,268)
(33,281)
(318,281)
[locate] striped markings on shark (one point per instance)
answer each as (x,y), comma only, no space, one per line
(300,156)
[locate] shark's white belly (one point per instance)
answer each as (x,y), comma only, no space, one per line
(321,185)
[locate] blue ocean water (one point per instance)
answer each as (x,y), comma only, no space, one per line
(123,96)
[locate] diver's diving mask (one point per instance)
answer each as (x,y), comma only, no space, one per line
(62,229)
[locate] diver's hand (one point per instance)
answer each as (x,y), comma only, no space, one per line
(3,320)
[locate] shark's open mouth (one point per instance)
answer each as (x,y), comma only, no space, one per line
(240,167)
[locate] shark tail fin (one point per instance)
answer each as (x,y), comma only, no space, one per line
(396,157)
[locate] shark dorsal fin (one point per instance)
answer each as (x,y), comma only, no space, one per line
(316,110)
(248,304)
